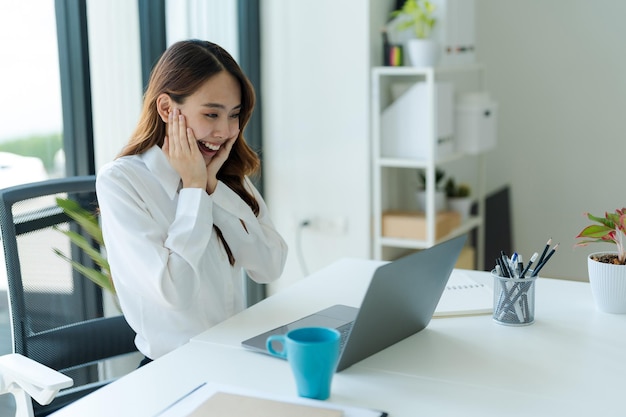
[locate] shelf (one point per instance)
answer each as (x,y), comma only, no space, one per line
(416,163)
(399,71)
(467,226)
(390,180)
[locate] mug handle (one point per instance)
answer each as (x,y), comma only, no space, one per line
(276,338)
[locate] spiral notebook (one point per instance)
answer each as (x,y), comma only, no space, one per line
(464,296)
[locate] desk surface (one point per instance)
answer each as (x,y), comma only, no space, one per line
(569,362)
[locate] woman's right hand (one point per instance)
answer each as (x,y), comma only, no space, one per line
(181,149)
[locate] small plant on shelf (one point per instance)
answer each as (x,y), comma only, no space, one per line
(440,193)
(439,176)
(416,15)
(459,198)
(457,191)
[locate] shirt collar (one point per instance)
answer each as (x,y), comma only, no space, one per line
(157,163)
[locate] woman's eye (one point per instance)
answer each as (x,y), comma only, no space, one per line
(211,115)
(235,116)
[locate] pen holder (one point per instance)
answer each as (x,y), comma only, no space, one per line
(513,300)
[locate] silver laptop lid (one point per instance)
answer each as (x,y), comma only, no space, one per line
(401,300)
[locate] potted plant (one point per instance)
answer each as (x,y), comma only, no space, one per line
(607,270)
(89,223)
(440,193)
(417,16)
(459,199)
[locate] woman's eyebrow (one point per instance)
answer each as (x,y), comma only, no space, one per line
(219,106)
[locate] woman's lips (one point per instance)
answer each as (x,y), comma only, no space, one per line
(208,148)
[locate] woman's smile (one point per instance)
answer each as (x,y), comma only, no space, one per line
(208,148)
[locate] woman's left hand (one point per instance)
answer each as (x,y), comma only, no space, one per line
(217,162)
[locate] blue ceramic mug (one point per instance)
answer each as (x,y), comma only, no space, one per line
(313,353)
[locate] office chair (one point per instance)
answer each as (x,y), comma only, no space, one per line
(57,315)
(26,379)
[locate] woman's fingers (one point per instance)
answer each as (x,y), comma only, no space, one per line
(181,149)
(183,141)
(172,127)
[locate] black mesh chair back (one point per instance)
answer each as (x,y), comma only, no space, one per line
(57,315)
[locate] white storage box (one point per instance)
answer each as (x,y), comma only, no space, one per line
(476,117)
(404,124)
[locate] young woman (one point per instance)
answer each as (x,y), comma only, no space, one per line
(181,220)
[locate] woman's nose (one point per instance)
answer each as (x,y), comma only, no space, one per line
(221,129)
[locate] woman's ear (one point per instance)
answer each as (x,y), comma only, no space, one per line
(164,106)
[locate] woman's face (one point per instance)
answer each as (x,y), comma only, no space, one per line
(212,112)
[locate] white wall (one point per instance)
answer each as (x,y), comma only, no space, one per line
(315,69)
(558,70)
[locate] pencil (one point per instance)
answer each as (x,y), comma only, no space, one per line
(545,250)
(545,261)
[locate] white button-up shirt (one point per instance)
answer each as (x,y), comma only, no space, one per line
(170,270)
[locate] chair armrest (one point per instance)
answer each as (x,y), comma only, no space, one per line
(39,381)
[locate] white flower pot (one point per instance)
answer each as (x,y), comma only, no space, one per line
(608,285)
(462,205)
(440,201)
(421,52)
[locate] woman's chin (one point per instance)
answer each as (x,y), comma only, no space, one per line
(207,158)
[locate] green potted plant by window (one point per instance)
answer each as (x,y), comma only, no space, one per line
(607,270)
(418,17)
(89,223)
(459,198)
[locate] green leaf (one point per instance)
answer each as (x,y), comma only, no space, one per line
(601,220)
(92,274)
(94,253)
(87,220)
(595,231)
(89,224)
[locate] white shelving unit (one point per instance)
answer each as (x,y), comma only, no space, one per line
(391,177)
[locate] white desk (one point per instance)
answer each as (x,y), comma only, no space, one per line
(569,362)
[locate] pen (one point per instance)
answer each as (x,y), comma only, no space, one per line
(505,265)
(513,264)
(520,266)
(503,270)
(540,265)
(530,262)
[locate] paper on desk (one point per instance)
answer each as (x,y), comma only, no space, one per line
(209,399)
(464,296)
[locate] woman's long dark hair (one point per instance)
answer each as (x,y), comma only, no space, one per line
(180,71)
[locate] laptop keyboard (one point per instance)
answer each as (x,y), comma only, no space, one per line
(345,332)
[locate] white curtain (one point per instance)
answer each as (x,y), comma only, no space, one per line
(211,20)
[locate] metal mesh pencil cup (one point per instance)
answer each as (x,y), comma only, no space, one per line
(513,300)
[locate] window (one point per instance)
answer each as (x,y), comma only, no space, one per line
(31,133)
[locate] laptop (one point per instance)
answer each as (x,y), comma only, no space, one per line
(400,301)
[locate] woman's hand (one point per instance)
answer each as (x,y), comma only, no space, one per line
(181,148)
(216,163)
